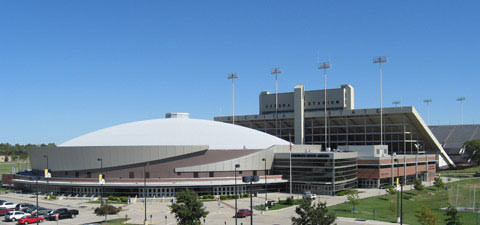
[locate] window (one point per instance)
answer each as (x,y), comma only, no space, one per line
(147,174)
(179,174)
(66,173)
(254,173)
(266,106)
(283,105)
(239,172)
(195,174)
(211,174)
(131,175)
(89,174)
(308,103)
(338,101)
(77,174)
(323,102)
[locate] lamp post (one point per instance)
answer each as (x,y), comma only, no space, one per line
(46,157)
(276,71)
(461,99)
(236,166)
(380,60)
(101,177)
(265,178)
(428,101)
(325,66)
(232,77)
(250,179)
(36,196)
(145,190)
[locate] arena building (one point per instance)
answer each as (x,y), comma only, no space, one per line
(168,155)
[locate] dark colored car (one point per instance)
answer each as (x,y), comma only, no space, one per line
(30,219)
(62,213)
(22,206)
(243,213)
(4,211)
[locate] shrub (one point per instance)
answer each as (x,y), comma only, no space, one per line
(52,197)
(245,195)
(107,210)
(391,189)
(418,185)
(347,192)
(123,199)
(223,197)
(289,201)
(112,198)
(438,183)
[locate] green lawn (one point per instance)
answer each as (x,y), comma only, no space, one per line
(467,171)
(385,205)
(7,167)
(278,205)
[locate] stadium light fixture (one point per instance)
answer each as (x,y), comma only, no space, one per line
(380,60)
(232,77)
(276,71)
(461,99)
(324,66)
(428,101)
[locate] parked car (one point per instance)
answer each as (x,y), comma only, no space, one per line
(309,195)
(62,213)
(4,211)
(41,211)
(243,213)
(15,215)
(22,206)
(29,209)
(7,205)
(30,219)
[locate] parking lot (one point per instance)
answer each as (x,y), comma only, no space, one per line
(156,208)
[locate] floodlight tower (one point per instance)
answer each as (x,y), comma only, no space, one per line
(232,77)
(428,101)
(380,60)
(276,71)
(461,99)
(324,66)
(396,103)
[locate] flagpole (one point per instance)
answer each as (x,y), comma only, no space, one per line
(291,178)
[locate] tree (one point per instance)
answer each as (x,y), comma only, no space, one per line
(107,209)
(353,200)
(188,209)
(438,183)
(418,185)
(472,148)
(313,214)
(427,217)
(391,189)
(453,218)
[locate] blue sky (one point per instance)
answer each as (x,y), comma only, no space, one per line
(71,67)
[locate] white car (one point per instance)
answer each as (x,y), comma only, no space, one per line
(15,215)
(7,205)
(309,195)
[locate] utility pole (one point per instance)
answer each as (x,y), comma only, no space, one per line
(380,60)
(461,99)
(325,66)
(276,71)
(232,77)
(428,101)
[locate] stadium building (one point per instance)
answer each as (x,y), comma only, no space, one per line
(300,118)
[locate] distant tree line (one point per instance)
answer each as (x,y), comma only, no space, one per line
(19,152)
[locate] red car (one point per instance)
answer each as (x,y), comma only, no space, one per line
(243,213)
(30,219)
(4,211)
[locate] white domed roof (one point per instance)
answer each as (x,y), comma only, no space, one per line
(178,131)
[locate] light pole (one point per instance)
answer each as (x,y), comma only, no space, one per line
(236,166)
(101,177)
(36,196)
(145,190)
(250,179)
(266,189)
(380,60)
(276,71)
(232,77)
(325,66)
(461,99)
(396,103)
(428,101)
(46,178)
